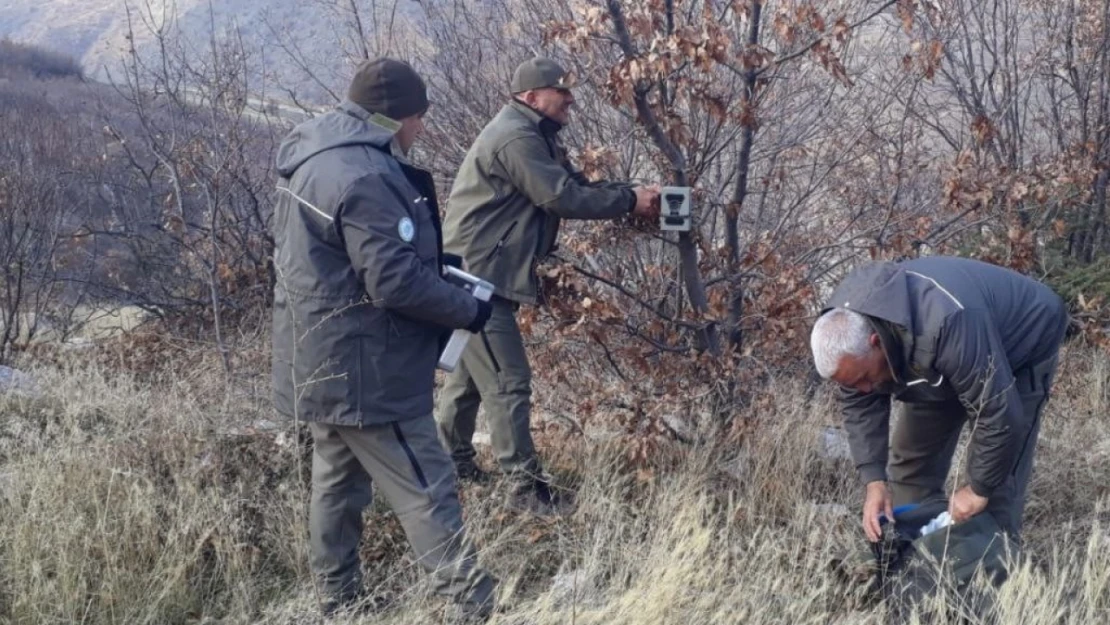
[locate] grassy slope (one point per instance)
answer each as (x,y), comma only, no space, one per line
(142,498)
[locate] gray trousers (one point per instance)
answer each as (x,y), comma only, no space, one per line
(409,466)
(925,439)
(494,369)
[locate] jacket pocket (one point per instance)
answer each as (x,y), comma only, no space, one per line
(495,251)
(400,327)
(397,376)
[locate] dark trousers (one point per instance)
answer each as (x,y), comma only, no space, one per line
(494,371)
(410,468)
(925,439)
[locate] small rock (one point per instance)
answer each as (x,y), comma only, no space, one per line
(572,586)
(680,428)
(831,510)
(206,461)
(16,381)
(285,441)
(834,444)
(78,343)
(738,465)
(266,425)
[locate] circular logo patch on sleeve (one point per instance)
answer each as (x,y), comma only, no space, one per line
(406,229)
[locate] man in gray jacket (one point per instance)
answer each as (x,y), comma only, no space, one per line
(955,340)
(513,189)
(360,309)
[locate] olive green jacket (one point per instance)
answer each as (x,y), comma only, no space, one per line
(514,187)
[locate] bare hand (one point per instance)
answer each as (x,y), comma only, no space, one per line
(966,504)
(878,500)
(647,201)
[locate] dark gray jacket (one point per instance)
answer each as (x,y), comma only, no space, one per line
(359,305)
(951,328)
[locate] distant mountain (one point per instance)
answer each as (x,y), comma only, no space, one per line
(95,31)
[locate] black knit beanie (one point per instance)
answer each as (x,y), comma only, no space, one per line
(390,87)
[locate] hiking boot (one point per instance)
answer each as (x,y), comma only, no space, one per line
(468,471)
(468,614)
(535,495)
(352,605)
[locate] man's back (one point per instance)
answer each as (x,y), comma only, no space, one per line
(482,190)
(925,295)
(1025,312)
(318,163)
(359,304)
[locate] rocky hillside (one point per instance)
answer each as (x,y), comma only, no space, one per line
(95,32)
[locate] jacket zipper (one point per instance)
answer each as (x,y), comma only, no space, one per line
(485,339)
(501,242)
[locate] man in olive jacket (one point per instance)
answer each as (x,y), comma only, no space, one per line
(955,340)
(360,309)
(513,189)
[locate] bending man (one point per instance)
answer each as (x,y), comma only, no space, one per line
(955,341)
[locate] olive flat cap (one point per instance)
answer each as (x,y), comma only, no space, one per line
(538,73)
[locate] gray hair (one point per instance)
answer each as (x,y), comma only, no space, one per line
(838,333)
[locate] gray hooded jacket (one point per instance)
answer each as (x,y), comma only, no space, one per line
(359,305)
(952,328)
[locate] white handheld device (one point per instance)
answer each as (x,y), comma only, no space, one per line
(481,290)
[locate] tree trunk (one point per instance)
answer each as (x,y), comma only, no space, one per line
(740,193)
(688,251)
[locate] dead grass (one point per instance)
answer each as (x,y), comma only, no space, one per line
(131,498)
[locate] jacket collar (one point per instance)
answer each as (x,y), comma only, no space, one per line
(382,129)
(893,347)
(898,344)
(348,124)
(549,127)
